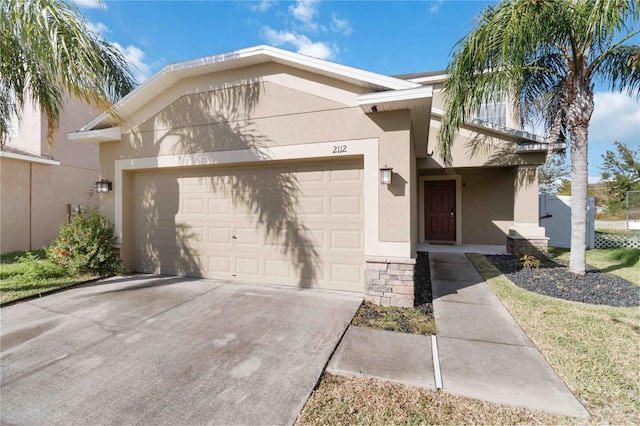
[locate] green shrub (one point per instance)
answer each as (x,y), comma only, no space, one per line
(529,261)
(85,245)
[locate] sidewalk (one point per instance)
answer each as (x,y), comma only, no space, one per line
(480,351)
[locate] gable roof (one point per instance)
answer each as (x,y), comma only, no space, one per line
(242,58)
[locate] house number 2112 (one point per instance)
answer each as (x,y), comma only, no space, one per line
(339,149)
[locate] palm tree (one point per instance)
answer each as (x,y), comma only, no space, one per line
(47,53)
(547,55)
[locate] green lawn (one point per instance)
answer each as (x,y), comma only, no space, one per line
(622,262)
(24,274)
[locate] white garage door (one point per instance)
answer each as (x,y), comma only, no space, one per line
(297,224)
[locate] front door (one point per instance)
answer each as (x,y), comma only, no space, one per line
(440,211)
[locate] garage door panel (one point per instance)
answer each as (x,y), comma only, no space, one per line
(219,206)
(219,235)
(220,265)
(345,175)
(346,205)
(248,268)
(247,237)
(278,269)
(343,239)
(312,206)
(198,212)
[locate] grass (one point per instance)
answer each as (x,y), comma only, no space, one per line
(365,401)
(30,273)
(403,320)
(622,262)
(594,348)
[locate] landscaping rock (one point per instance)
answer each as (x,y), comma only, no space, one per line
(553,279)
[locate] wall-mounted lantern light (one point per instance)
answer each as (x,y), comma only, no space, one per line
(103,186)
(385,175)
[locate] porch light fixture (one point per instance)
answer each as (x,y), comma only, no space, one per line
(385,175)
(103,186)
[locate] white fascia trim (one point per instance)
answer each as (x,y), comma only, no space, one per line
(498,129)
(166,76)
(110,134)
(368,148)
(431,79)
(22,157)
(422,92)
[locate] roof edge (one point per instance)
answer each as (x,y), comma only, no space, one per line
(167,75)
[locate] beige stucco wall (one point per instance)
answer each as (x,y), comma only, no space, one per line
(473,149)
(487,196)
(30,128)
(262,106)
(53,188)
(70,153)
(35,196)
(14,203)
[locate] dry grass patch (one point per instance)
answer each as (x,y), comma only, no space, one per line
(403,320)
(594,348)
(342,401)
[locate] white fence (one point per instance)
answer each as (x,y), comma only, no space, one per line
(555,217)
(604,241)
(618,225)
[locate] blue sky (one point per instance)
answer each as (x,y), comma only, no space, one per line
(388,37)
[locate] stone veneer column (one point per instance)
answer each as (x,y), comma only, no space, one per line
(389,281)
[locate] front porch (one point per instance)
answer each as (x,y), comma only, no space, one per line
(463,248)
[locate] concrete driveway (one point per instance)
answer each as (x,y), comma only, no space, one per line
(167,350)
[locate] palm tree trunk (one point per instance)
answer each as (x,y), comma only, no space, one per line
(578,119)
(579,181)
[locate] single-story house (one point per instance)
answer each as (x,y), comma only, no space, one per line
(41,186)
(264,165)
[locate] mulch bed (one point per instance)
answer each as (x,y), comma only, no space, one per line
(422,275)
(553,279)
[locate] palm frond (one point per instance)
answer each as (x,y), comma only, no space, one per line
(620,69)
(48,53)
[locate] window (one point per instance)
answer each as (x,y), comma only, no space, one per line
(494,112)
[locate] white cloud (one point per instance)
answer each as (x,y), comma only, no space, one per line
(301,42)
(97,27)
(306,12)
(135,56)
(90,4)
(435,6)
(340,25)
(262,6)
(616,117)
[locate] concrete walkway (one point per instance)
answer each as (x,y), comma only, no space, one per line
(480,351)
(483,352)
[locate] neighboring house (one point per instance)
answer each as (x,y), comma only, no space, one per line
(263,165)
(38,182)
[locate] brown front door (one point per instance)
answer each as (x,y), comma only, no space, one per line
(440,210)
